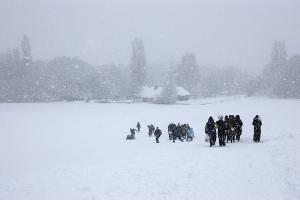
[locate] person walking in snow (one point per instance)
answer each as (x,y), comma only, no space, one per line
(185,127)
(190,134)
(171,129)
(177,133)
(257,128)
(220,124)
(232,130)
(138,126)
(151,130)
(132,134)
(157,134)
(210,130)
(238,127)
(226,127)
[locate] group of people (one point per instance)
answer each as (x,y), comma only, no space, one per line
(180,132)
(227,130)
(131,136)
(152,130)
(156,131)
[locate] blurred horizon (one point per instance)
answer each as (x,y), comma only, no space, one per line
(231,33)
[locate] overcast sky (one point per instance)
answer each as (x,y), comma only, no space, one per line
(220,32)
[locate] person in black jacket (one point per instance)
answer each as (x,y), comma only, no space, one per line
(151,130)
(257,128)
(157,134)
(220,124)
(226,127)
(171,129)
(132,134)
(238,127)
(177,133)
(138,126)
(232,128)
(210,130)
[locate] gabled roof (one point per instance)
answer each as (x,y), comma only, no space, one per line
(150,92)
(154,92)
(182,92)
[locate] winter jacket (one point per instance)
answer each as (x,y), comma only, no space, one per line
(238,123)
(178,132)
(210,127)
(190,132)
(132,132)
(157,133)
(220,124)
(257,124)
(226,124)
(171,127)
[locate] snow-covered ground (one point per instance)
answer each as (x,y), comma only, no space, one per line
(70,151)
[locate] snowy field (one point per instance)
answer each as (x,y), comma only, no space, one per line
(70,151)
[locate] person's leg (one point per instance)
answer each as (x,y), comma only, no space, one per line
(221,140)
(228,136)
(234,135)
(179,137)
(256,134)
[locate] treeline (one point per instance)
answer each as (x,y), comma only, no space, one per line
(24,79)
(281,76)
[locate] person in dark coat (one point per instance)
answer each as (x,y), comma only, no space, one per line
(171,129)
(177,133)
(184,131)
(220,124)
(210,130)
(151,129)
(226,122)
(138,126)
(238,127)
(232,130)
(257,128)
(157,134)
(132,134)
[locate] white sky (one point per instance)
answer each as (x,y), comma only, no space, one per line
(221,32)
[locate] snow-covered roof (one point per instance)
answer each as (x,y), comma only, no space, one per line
(150,92)
(154,92)
(182,92)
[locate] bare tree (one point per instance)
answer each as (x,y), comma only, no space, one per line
(26,50)
(138,65)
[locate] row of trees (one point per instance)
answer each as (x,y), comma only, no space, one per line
(24,79)
(281,77)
